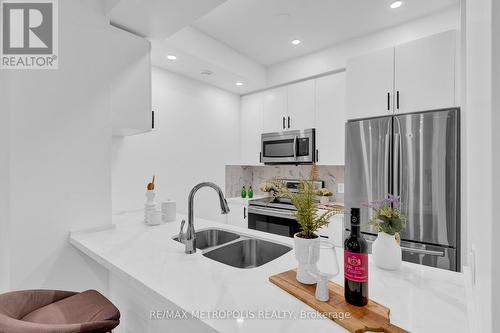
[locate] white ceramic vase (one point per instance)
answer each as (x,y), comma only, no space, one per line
(323,199)
(307,261)
(386,252)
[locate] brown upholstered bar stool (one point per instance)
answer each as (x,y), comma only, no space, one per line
(54,311)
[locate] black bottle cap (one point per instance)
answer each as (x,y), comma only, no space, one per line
(355,216)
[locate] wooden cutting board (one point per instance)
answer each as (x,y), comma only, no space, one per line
(373,317)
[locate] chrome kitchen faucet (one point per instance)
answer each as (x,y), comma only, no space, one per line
(189,238)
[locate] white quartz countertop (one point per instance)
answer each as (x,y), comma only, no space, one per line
(421,298)
(243,201)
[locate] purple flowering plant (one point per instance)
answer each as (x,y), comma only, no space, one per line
(387,215)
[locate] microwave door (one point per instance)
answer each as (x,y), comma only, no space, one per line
(279,150)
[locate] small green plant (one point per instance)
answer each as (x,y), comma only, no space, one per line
(387,216)
(307,209)
(324,192)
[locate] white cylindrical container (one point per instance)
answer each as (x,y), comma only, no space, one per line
(150,205)
(169,211)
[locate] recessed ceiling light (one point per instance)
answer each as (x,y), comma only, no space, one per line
(239,83)
(296,41)
(396,4)
(171,57)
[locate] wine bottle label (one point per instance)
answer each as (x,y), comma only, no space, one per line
(356,266)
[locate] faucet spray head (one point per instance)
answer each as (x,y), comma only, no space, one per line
(224,207)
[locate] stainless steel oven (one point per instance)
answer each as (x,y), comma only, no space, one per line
(290,147)
(275,221)
(276,216)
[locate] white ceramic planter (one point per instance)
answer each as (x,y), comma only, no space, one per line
(386,252)
(307,261)
(324,199)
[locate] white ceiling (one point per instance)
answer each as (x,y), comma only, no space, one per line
(157,18)
(263,29)
(238,40)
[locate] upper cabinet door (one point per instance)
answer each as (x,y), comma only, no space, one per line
(301,108)
(130,68)
(275,109)
(251,128)
(370,85)
(425,73)
(330,119)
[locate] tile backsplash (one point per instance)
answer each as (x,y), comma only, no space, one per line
(237,176)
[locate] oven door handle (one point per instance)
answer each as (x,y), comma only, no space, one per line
(272,212)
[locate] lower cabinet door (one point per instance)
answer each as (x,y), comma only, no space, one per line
(238,216)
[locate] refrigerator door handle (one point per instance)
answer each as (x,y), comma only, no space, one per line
(414,250)
(422,251)
(387,163)
(397,165)
(397,160)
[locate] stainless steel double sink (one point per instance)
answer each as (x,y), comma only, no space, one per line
(237,250)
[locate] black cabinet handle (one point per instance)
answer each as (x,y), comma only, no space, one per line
(153,119)
(317,155)
(388,101)
(283,122)
(244,212)
(260,157)
(288,121)
(397,99)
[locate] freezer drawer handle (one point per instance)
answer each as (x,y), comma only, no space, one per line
(422,251)
(419,251)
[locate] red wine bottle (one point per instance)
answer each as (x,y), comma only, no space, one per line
(355,264)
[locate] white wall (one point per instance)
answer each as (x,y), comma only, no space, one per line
(480,153)
(495,130)
(60,146)
(196,135)
(335,57)
(4,187)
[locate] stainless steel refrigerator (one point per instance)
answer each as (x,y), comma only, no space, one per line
(415,156)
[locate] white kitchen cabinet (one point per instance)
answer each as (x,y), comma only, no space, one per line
(275,109)
(130,65)
(425,73)
(251,128)
(301,108)
(370,84)
(330,118)
(238,215)
(411,77)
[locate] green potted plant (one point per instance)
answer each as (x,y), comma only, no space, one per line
(310,221)
(324,195)
(389,222)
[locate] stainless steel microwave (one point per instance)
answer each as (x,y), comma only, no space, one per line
(290,147)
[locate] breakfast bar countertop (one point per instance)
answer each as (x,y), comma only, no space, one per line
(421,298)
